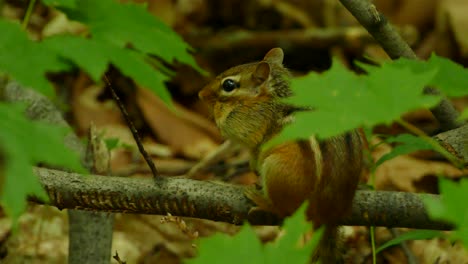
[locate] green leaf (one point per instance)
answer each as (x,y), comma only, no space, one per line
(132,63)
(23,144)
(451,78)
(343,101)
(393,91)
(411,235)
(27,61)
(244,247)
(451,207)
(64,3)
(286,249)
(408,144)
(112,143)
(94,56)
(125,35)
(88,54)
(131,24)
(464,114)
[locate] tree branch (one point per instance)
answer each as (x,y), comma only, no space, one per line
(312,38)
(455,141)
(214,201)
(383,32)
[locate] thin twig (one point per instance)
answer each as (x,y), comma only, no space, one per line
(372,237)
(404,245)
(134,131)
(218,154)
(25,22)
(386,35)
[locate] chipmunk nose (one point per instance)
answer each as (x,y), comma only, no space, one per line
(203,94)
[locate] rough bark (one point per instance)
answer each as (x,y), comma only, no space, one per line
(213,200)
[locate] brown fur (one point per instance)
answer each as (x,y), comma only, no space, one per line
(324,173)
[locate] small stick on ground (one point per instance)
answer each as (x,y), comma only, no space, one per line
(117,258)
(218,154)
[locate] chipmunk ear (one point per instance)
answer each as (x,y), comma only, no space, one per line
(262,72)
(275,55)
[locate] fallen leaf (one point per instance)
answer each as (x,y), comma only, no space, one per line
(184,136)
(402,172)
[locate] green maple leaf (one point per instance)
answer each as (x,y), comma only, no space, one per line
(286,249)
(244,247)
(343,101)
(25,143)
(27,61)
(464,114)
(63,3)
(451,78)
(131,24)
(452,207)
(407,144)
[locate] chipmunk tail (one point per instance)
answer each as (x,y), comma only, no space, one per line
(329,249)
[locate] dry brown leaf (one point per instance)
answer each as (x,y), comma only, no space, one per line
(418,13)
(182,135)
(125,161)
(393,255)
(376,53)
(42,237)
(173,167)
(247,178)
(145,233)
(87,109)
(108,119)
(60,24)
(199,121)
(127,249)
(439,251)
(451,23)
(357,244)
(182,15)
(402,172)
(456,12)
(267,233)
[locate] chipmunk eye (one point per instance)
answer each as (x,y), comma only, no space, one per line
(229,85)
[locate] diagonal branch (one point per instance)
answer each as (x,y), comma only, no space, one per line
(386,35)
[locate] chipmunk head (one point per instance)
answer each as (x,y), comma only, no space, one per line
(264,78)
(245,100)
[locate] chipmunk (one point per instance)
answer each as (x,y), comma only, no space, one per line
(247,107)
